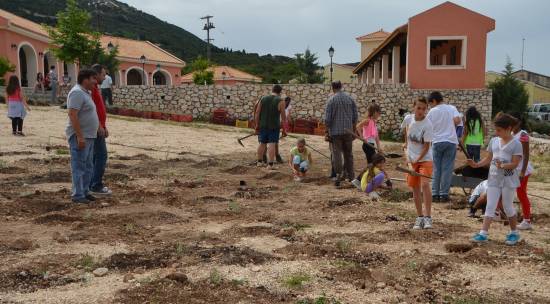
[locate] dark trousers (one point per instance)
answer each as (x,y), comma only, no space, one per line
(369,152)
(474,151)
(342,150)
(16,124)
(100,162)
(107,95)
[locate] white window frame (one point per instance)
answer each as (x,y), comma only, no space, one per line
(463,54)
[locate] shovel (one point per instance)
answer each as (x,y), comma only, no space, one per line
(239,140)
(410,172)
(388,155)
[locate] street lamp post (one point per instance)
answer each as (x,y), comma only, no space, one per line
(110,47)
(142,60)
(331,53)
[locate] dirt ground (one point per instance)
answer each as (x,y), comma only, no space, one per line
(179,230)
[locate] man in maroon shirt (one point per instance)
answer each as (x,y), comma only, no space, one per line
(100,146)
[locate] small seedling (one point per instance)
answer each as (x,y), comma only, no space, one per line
(412,265)
(87,215)
(181,249)
(234,207)
(129,228)
(296,280)
(215,277)
(343,245)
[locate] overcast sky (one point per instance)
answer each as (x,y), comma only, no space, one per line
(286,27)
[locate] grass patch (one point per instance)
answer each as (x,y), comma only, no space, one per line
(86,261)
(61,152)
(296,280)
(323,299)
(3,163)
(180,249)
(466,300)
(297,226)
(344,264)
(343,245)
(541,163)
(239,282)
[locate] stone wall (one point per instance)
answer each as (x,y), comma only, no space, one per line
(308,101)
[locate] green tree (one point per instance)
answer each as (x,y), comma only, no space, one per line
(309,68)
(509,93)
(201,72)
(73,36)
(5,67)
(107,59)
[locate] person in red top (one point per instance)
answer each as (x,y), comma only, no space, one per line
(100,146)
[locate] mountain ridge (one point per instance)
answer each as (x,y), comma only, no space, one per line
(120,19)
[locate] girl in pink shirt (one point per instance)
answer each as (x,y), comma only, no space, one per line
(369,130)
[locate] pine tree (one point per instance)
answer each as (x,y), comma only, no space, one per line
(509,93)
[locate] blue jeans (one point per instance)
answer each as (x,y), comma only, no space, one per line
(81,167)
(302,164)
(100,162)
(444,154)
(474,151)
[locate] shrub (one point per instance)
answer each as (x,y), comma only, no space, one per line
(540,127)
(5,67)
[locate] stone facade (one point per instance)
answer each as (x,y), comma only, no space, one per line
(308,100)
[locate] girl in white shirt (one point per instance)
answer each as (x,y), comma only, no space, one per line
(504,155)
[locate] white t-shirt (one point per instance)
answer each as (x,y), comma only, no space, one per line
(442,119)
(523,136)
(406,121)
(287,111)
(107,82)
(418,133)
(480,189)
(508,178)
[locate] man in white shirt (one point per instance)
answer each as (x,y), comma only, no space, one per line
(444,119)
(106,90)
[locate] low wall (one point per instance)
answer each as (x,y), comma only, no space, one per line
(308,100)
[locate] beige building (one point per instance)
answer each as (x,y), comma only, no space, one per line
(371,41)
(342,72)
(537,92)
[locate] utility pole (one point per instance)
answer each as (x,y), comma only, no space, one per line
(522,51)
(207,27)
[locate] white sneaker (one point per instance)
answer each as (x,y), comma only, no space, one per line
(427,223)
(357,184)
(103,192)
(525,225)
(260,164)
(419,223)
(374,195)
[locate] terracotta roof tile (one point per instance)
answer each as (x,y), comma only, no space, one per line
(133,49)
(24,23)
(381,34)
(230,74)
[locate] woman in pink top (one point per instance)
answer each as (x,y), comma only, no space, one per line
(16,105)
(370,132)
